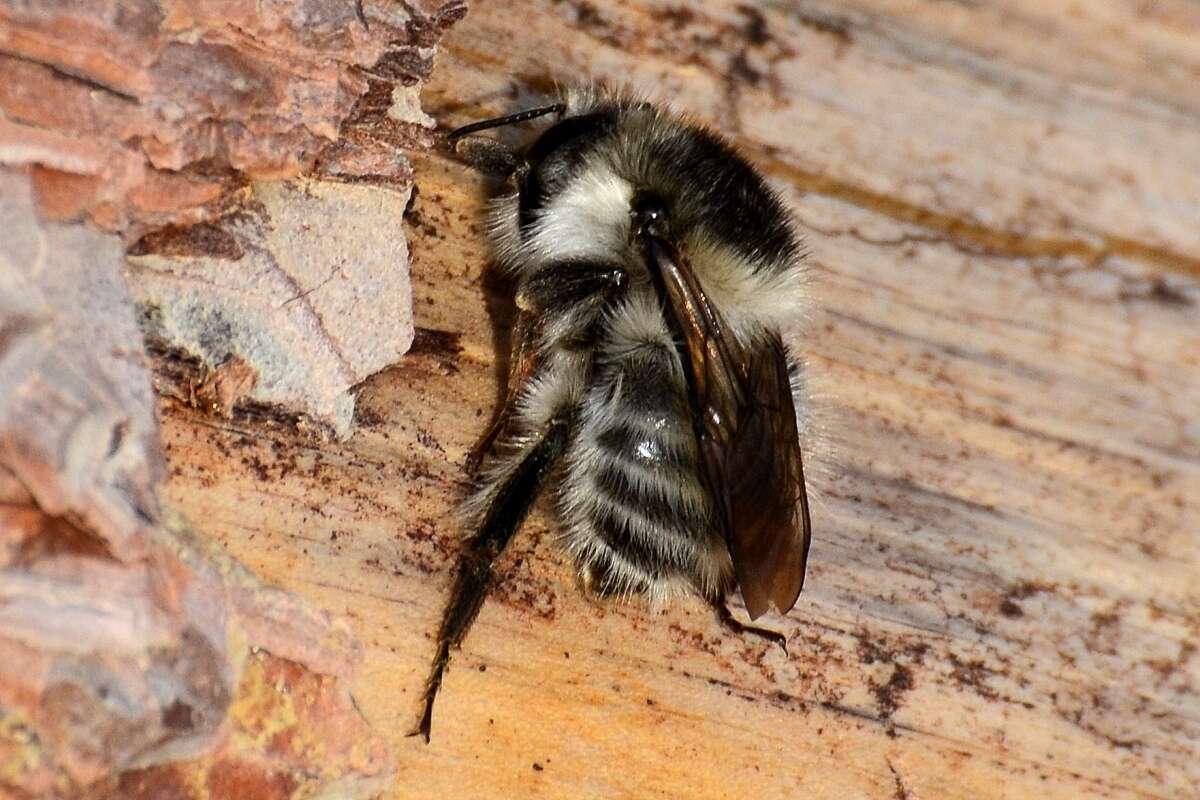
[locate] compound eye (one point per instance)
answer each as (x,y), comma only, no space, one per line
(649,212)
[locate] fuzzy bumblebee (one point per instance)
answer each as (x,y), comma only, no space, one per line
(648,380)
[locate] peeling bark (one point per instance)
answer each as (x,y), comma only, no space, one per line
(182,127)
(135,659)
(145,113)
(127,645)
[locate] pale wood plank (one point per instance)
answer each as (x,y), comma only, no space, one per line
(1002,600)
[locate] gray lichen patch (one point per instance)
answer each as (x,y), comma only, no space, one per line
(319,299)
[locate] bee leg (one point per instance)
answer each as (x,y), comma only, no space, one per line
(509,505)
(480,451)
(728,621)
(586,288)
(521,366)
(488,156)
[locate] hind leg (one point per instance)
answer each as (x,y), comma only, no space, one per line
(509,502)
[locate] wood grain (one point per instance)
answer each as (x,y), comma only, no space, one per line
(1001,206)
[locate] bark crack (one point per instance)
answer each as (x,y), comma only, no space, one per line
(66,74)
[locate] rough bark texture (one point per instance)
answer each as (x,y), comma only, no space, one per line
(160,122)
(130,652)
(135,659)
(1000,204)
(145,113)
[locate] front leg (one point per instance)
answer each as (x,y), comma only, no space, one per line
(489,156)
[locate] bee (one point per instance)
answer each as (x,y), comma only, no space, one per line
(649,381)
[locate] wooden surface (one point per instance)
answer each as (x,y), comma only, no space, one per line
(1002,208)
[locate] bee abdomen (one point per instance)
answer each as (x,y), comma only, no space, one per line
(667,501)
(648,449)
(638,513)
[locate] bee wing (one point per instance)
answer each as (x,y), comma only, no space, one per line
(765,478)
(746,427)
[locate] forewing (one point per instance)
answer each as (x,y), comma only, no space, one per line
(746,429)
(767,499)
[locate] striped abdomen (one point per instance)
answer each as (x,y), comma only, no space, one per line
(637,516)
